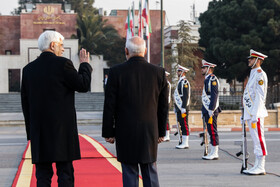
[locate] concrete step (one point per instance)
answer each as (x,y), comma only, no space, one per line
(83,118)
(85,102)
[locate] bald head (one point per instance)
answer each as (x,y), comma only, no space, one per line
(135,46)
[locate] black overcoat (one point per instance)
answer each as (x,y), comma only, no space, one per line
(135,109)
(47,94)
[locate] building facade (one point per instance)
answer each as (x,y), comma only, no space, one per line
(117,18)
(18,41)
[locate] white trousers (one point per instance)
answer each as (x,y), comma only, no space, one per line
(257,134)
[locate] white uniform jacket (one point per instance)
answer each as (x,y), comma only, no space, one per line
(254,96)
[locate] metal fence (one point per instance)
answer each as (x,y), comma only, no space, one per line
(228,100)
(232,100)
(273,96)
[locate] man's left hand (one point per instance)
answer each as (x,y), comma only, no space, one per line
(110,140)
(160,139)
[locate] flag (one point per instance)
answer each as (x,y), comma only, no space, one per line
(132,17)
(129,25)
(146,15)
(140,20)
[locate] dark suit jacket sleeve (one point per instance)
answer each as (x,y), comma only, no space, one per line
(108,123)
(163,106)
(78,81)
(25,106)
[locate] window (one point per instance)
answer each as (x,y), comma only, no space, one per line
(14,80)
(48,30)
(8,52)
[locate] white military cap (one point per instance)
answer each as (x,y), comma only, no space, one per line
(255,54)
(206,64)
(167,73)
(181,68)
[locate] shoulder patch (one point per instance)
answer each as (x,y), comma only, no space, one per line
(213,77)
(214,83)
(185,81)
(259,70)
(260,82)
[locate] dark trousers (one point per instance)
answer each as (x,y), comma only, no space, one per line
(184,123)
(130,175)
(212,129)
(65,174)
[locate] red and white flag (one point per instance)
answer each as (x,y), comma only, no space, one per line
(146,15)
(129,25)
(140,20)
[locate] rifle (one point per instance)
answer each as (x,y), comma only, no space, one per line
(243,152)
(204,137)
(179,131)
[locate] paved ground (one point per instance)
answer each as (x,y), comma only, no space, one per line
(176,167)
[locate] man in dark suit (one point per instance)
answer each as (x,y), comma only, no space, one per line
(135,113)
(47,93)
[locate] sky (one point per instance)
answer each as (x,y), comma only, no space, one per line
(175,9)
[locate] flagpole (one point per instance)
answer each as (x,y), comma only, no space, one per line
(162,38)
(140,20)
(148,40)
(149,52)
(133,15)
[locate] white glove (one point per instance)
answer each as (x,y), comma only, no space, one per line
(241,120)
(183,110)
(210,112)
(254,119)
(201,115)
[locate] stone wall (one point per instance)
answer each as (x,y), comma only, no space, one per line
(229,119)
(9,34)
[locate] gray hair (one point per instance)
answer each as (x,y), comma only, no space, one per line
(47,37)
(135,45)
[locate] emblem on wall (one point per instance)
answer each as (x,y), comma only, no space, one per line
(49,10)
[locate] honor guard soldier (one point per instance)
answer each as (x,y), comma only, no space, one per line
(167,136)
(210,107)
(254,98)
(182,95)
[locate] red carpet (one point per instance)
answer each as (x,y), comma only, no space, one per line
(97,168)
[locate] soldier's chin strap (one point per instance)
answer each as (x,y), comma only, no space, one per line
(207,70)
(255,62)
(181,75)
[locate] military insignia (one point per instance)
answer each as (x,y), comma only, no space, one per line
(214,83)
(260,82)
(259,70)
(185,85)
